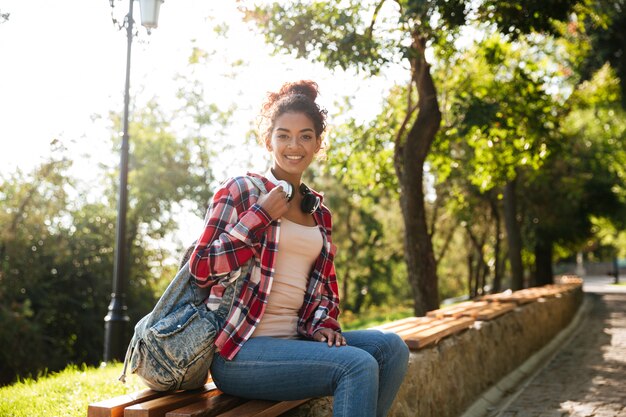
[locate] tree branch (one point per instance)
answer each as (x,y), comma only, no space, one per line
(370,29)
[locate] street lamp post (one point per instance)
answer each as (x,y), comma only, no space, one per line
(116,320)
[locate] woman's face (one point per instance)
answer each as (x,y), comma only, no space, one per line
(293,143)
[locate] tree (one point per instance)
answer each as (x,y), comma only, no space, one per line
(340,36)
(588,167)
(56,245)
(499,124)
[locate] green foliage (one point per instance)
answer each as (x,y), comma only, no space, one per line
(516,18)
(56,245)
(499,116)
(591,176)
(374,316)
(599,32)
(369,262)
(329,32)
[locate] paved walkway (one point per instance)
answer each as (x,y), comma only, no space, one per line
(587,377)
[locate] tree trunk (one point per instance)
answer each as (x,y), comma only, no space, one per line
(543,261)
(497,273)
(470,274)
(409,158)
(514,236)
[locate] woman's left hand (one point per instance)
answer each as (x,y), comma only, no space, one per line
(330,336)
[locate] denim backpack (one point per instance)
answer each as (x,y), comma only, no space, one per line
(173,346)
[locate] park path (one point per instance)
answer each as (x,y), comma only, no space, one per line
(587,377)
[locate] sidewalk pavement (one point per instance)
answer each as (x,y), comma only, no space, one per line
(587,376)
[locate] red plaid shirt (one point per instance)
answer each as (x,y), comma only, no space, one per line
(238,231)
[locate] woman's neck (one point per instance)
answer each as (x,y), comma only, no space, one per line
(293,179)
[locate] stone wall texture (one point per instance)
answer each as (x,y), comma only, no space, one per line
(445,379)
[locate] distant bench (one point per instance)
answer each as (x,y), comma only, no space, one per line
(417,332)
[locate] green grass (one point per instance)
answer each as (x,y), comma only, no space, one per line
(66,393)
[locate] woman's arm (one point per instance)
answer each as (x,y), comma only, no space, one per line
(234,226)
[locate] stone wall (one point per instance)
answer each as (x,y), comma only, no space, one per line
(445,379)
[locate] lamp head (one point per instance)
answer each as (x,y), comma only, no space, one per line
(149,10)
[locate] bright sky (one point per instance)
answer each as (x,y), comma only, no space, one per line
(63,62)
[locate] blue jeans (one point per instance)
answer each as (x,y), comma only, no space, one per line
(363,376)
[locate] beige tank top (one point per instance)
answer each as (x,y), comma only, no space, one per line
(298,249)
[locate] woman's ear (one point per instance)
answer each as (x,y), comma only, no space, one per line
(268,144)
(319,144)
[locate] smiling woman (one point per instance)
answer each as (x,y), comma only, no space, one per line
(287,307)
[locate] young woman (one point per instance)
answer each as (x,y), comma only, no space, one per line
(281,340)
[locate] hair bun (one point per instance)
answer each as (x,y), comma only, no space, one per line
(305,87)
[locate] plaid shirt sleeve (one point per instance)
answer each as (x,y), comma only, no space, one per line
(233,229)
(329,304)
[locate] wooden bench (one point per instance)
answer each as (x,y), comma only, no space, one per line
(206,402)
(417,332)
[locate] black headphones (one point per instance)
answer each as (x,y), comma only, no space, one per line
(310,201)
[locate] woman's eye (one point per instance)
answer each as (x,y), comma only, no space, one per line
(307,137)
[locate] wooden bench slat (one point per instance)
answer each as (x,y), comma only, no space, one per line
(419,321)
(463,309)
(494,310)
(428,336)
(114,407)
(208,407)
(259,408)
(427,325)
(406,322)
(159,406)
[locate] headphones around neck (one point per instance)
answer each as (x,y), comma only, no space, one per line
(310,201)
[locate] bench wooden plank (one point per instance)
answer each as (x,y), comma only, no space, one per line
(159,406)
(401,324)
(114,407)
(408,326)
(428,336)
(208,407)
(462,309)
(259,408)
(433,323)
(494,310)
(422,321)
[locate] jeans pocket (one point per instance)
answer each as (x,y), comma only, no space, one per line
(150,370)
(184,336)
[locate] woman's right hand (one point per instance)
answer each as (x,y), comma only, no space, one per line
(274,203)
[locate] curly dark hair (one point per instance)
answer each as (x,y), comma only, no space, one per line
(295,97)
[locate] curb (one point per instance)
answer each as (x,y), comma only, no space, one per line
(498,397)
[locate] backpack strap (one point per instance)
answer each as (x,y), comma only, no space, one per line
(258,183)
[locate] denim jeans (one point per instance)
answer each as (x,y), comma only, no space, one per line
(363,376)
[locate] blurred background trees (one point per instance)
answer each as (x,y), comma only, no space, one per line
(498,159)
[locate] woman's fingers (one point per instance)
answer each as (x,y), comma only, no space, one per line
(331,337)
(274,202)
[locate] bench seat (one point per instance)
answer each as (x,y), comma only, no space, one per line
(207,401)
